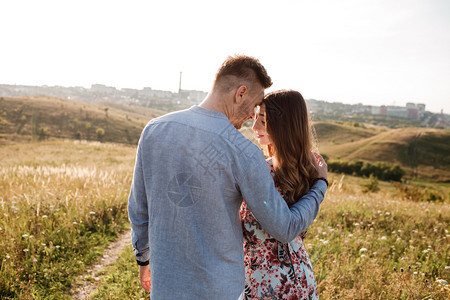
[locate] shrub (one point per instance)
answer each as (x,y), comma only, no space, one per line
(381,170)
(371,185)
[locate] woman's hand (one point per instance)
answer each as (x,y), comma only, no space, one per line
(321,165)
(145,278)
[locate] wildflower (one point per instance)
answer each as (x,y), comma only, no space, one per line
(383,238)
(44,216)
(350,235)
(92,212)
(362,256)
(7,256)
(75,223)
(362,250)
(24,235)
(34,259)
(25,250)
(441,281)
(447,268)
(388,213)
(356,224)
(57,246)
(415,273)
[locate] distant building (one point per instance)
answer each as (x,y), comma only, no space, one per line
(103,89)
(410,111)
(193,96)
(149,92)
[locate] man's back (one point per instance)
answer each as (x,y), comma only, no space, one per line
(190,162)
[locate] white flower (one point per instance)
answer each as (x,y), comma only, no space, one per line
(442,281)
(362,256)
(383,238)
(57,246)
(388,213)
(362,250)
(356,224)
(75,223)
(92,212)
(350,235)
(44,216)
(25,250)
(7,256)
(24,235)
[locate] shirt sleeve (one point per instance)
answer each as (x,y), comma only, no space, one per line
(138,212)
(270,209)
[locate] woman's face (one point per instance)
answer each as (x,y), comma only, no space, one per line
(260,127)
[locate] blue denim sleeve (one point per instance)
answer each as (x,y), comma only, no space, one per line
(138,212)
(270,209)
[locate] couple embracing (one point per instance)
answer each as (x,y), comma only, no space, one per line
(212,218)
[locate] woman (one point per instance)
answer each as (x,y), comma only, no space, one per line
(275,270)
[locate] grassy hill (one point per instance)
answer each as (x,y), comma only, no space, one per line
(418,150)
(423,150)
(335,133)
(40,117)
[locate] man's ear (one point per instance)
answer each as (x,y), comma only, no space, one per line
(240,93)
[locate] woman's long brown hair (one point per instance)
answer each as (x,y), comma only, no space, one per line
(292,138)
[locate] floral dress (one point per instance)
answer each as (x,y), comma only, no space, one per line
(275,270)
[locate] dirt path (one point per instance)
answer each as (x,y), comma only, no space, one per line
(91,278)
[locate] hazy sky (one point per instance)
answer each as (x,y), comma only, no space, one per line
(352,51)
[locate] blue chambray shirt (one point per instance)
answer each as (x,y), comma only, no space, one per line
(193,168)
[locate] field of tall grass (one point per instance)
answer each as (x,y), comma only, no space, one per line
(61,203)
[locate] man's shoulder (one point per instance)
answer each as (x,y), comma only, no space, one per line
(240,143)
(170,116)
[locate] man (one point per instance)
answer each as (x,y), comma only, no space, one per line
(193,168)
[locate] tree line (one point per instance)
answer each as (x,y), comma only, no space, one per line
(381,170)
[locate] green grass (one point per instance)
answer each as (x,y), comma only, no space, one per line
(61,204)
(121,280)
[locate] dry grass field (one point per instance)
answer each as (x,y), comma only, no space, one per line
(62,202)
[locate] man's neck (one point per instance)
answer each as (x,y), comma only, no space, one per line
(215,104)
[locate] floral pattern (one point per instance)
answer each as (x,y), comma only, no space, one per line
(275,270)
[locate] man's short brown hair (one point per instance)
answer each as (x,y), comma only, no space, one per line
(243,68)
